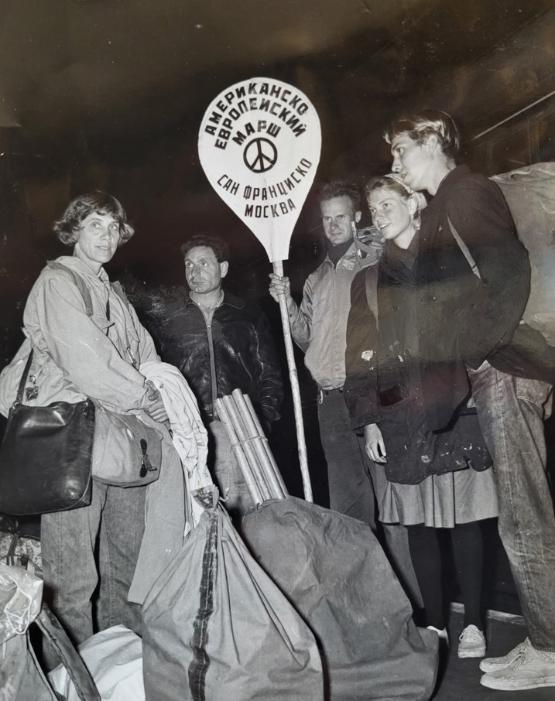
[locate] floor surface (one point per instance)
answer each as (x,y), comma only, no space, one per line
(460,679)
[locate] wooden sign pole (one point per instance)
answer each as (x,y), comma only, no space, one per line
(293,378)
(261,155)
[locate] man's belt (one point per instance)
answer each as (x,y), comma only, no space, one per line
(322,392)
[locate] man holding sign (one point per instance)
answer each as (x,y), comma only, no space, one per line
(259,145)
(319,326)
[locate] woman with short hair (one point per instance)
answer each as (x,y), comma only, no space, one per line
(88,342)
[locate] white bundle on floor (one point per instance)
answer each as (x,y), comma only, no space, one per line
(114,657)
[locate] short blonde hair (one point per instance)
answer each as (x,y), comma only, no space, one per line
(419,125)
(391,181)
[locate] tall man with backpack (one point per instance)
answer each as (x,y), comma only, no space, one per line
(485,348)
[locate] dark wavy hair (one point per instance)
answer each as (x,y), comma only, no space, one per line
(340,188)
(67,226)
(419,125)
(218,245)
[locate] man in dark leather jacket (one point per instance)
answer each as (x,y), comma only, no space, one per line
(207,330)
(219,342)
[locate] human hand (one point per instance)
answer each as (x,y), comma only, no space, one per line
(154,405)
(157,411)
(279,285)
(375,447)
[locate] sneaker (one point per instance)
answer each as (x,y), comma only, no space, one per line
(494,664)
(530,669)
(441,632)
(472,642)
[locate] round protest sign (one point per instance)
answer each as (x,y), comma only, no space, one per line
(259,144)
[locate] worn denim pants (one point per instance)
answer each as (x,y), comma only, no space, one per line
(511,411)
(109,530)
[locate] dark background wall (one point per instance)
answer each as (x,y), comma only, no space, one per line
(109,94)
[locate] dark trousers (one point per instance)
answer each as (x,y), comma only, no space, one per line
(350,486)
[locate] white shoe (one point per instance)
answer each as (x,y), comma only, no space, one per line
(530,669)
(441,632)
(472,642)
(494,664)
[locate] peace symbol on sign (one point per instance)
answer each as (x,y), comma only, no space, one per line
(260,155)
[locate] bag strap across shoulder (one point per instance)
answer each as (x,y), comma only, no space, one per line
(85,294)
(464,250)
(79,283)
(23,380)
(116,286)
(371,284)
(87,300)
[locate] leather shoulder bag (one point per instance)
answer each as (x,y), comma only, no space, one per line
(45,456)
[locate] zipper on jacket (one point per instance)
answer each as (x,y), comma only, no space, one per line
(211,354)
(208,323)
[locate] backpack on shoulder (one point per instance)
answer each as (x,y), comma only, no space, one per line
(530,194)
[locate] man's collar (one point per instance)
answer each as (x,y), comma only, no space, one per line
(229,299)
(452,177)
(348,260)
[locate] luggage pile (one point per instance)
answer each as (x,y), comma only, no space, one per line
(312,612)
